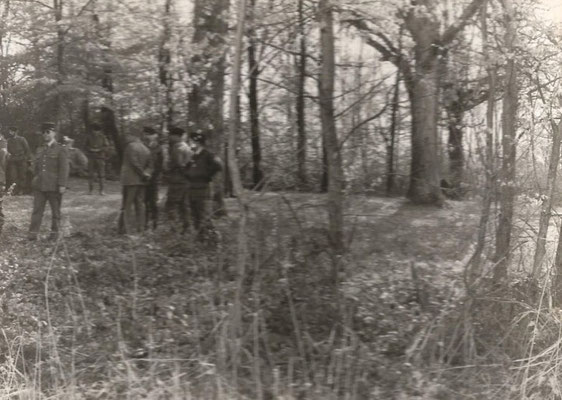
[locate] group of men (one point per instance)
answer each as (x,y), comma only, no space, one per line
(184,163)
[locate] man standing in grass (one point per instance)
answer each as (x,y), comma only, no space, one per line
(151,200)
(200,171)
(18,158)
(96,147)
(136,171)
(49,181)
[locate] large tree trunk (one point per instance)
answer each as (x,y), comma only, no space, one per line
(242,236)
(507,179)
(326,99)
(301,102)
(455,113)
(257,174)
(205,103)
(164,61)
(390,164)
(424,170)
(474,267)
(57,103)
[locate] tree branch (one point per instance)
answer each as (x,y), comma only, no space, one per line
(452,31)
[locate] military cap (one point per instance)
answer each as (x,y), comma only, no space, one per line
(197,137)
(47,126)
(149,130)
(175,130)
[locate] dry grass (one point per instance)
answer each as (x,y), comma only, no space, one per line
(97,315)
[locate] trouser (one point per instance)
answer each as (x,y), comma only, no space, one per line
(39,201)
(177,202)
(199,202)
(96,167)
(133,208)
(17,173)
(151,205)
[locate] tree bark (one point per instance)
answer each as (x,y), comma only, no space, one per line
(547,200)
(333,156)
(57,103)
(455,148)
(300,101)
(508,145)
(242,238)
(474,267)
(253,100)
(390,167)
(164,61)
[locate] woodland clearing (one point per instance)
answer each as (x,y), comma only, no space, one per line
(97,315)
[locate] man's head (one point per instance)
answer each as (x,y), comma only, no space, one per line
(176,133)
(197,139)
(12,131)
(48,131)
(150,134)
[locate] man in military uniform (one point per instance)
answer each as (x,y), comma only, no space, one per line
(151,196)
(96,147)
(49,181)
(177,201)
(17,164)
(200,171)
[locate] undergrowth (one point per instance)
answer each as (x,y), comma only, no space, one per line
(96,315)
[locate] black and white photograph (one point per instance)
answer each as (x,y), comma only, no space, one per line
(280,199)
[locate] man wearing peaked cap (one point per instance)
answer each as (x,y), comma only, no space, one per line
(50,178)
(200,171)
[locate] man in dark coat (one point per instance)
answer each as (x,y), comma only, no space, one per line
(96,148)
(50,179)
(136,171)
(151,196)
(200,171)
(177,201)
(19,157)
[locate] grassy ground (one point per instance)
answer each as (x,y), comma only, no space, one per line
(97,315)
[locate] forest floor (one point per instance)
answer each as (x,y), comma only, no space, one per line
(98,315)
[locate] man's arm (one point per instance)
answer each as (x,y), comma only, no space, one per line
(26,149)
(63,169)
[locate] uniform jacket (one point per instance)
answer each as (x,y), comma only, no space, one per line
(137,163)
(97,144)
(18,148)
(51,168)
(157,156)
(202,168)
(180,156)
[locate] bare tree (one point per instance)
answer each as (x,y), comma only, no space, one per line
(329,134)
(508,145)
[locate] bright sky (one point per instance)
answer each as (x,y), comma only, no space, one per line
(555,9)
